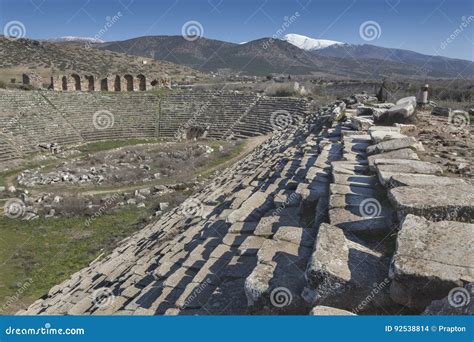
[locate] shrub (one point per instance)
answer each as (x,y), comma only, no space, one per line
(281,90)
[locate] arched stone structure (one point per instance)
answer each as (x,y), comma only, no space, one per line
(195,132)
(90,82)
(104,84)
(97,82)
(128,82)
(64,83)
(26,79)
(76,82)
(117,83)
(141,82)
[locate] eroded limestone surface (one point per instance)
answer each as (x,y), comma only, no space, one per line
(305,224)
(431,258)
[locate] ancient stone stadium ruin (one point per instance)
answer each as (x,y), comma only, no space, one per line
(336,209)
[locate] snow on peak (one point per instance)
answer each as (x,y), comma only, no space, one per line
(76,39)
(307,43)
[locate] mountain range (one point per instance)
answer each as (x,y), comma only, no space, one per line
(292,54)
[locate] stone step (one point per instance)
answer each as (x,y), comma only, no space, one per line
(369,218)
(343,272)
(434,202)
(431,259)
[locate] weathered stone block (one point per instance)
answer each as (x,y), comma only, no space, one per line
(431,258)
(344,272)
(400,113)
(434,202)
(404,153)
(395,144)
(252,208)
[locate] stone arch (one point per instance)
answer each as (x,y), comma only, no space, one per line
(90,82)
(195,132)
(117,84)
(129,82)
(141,82)
(64,83)
(104,84)
(26,79)
(77,81)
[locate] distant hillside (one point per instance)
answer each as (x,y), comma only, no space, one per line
(435,66)
(45,58)
(263,56)
(258,57)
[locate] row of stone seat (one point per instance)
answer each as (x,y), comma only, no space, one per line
(235,115)
(32,118)
(199,257)
(351,267)
(309,219)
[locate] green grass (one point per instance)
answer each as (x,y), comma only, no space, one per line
(161,92)
(49,250)
(27,165)
(206,170)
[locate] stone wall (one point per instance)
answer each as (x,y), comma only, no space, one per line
(91,82)
(31,118)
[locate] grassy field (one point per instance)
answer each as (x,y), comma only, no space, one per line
(36,255)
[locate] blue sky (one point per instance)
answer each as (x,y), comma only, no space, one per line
(418,25)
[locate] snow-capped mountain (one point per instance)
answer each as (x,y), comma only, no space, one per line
(307,43)
(75,39)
